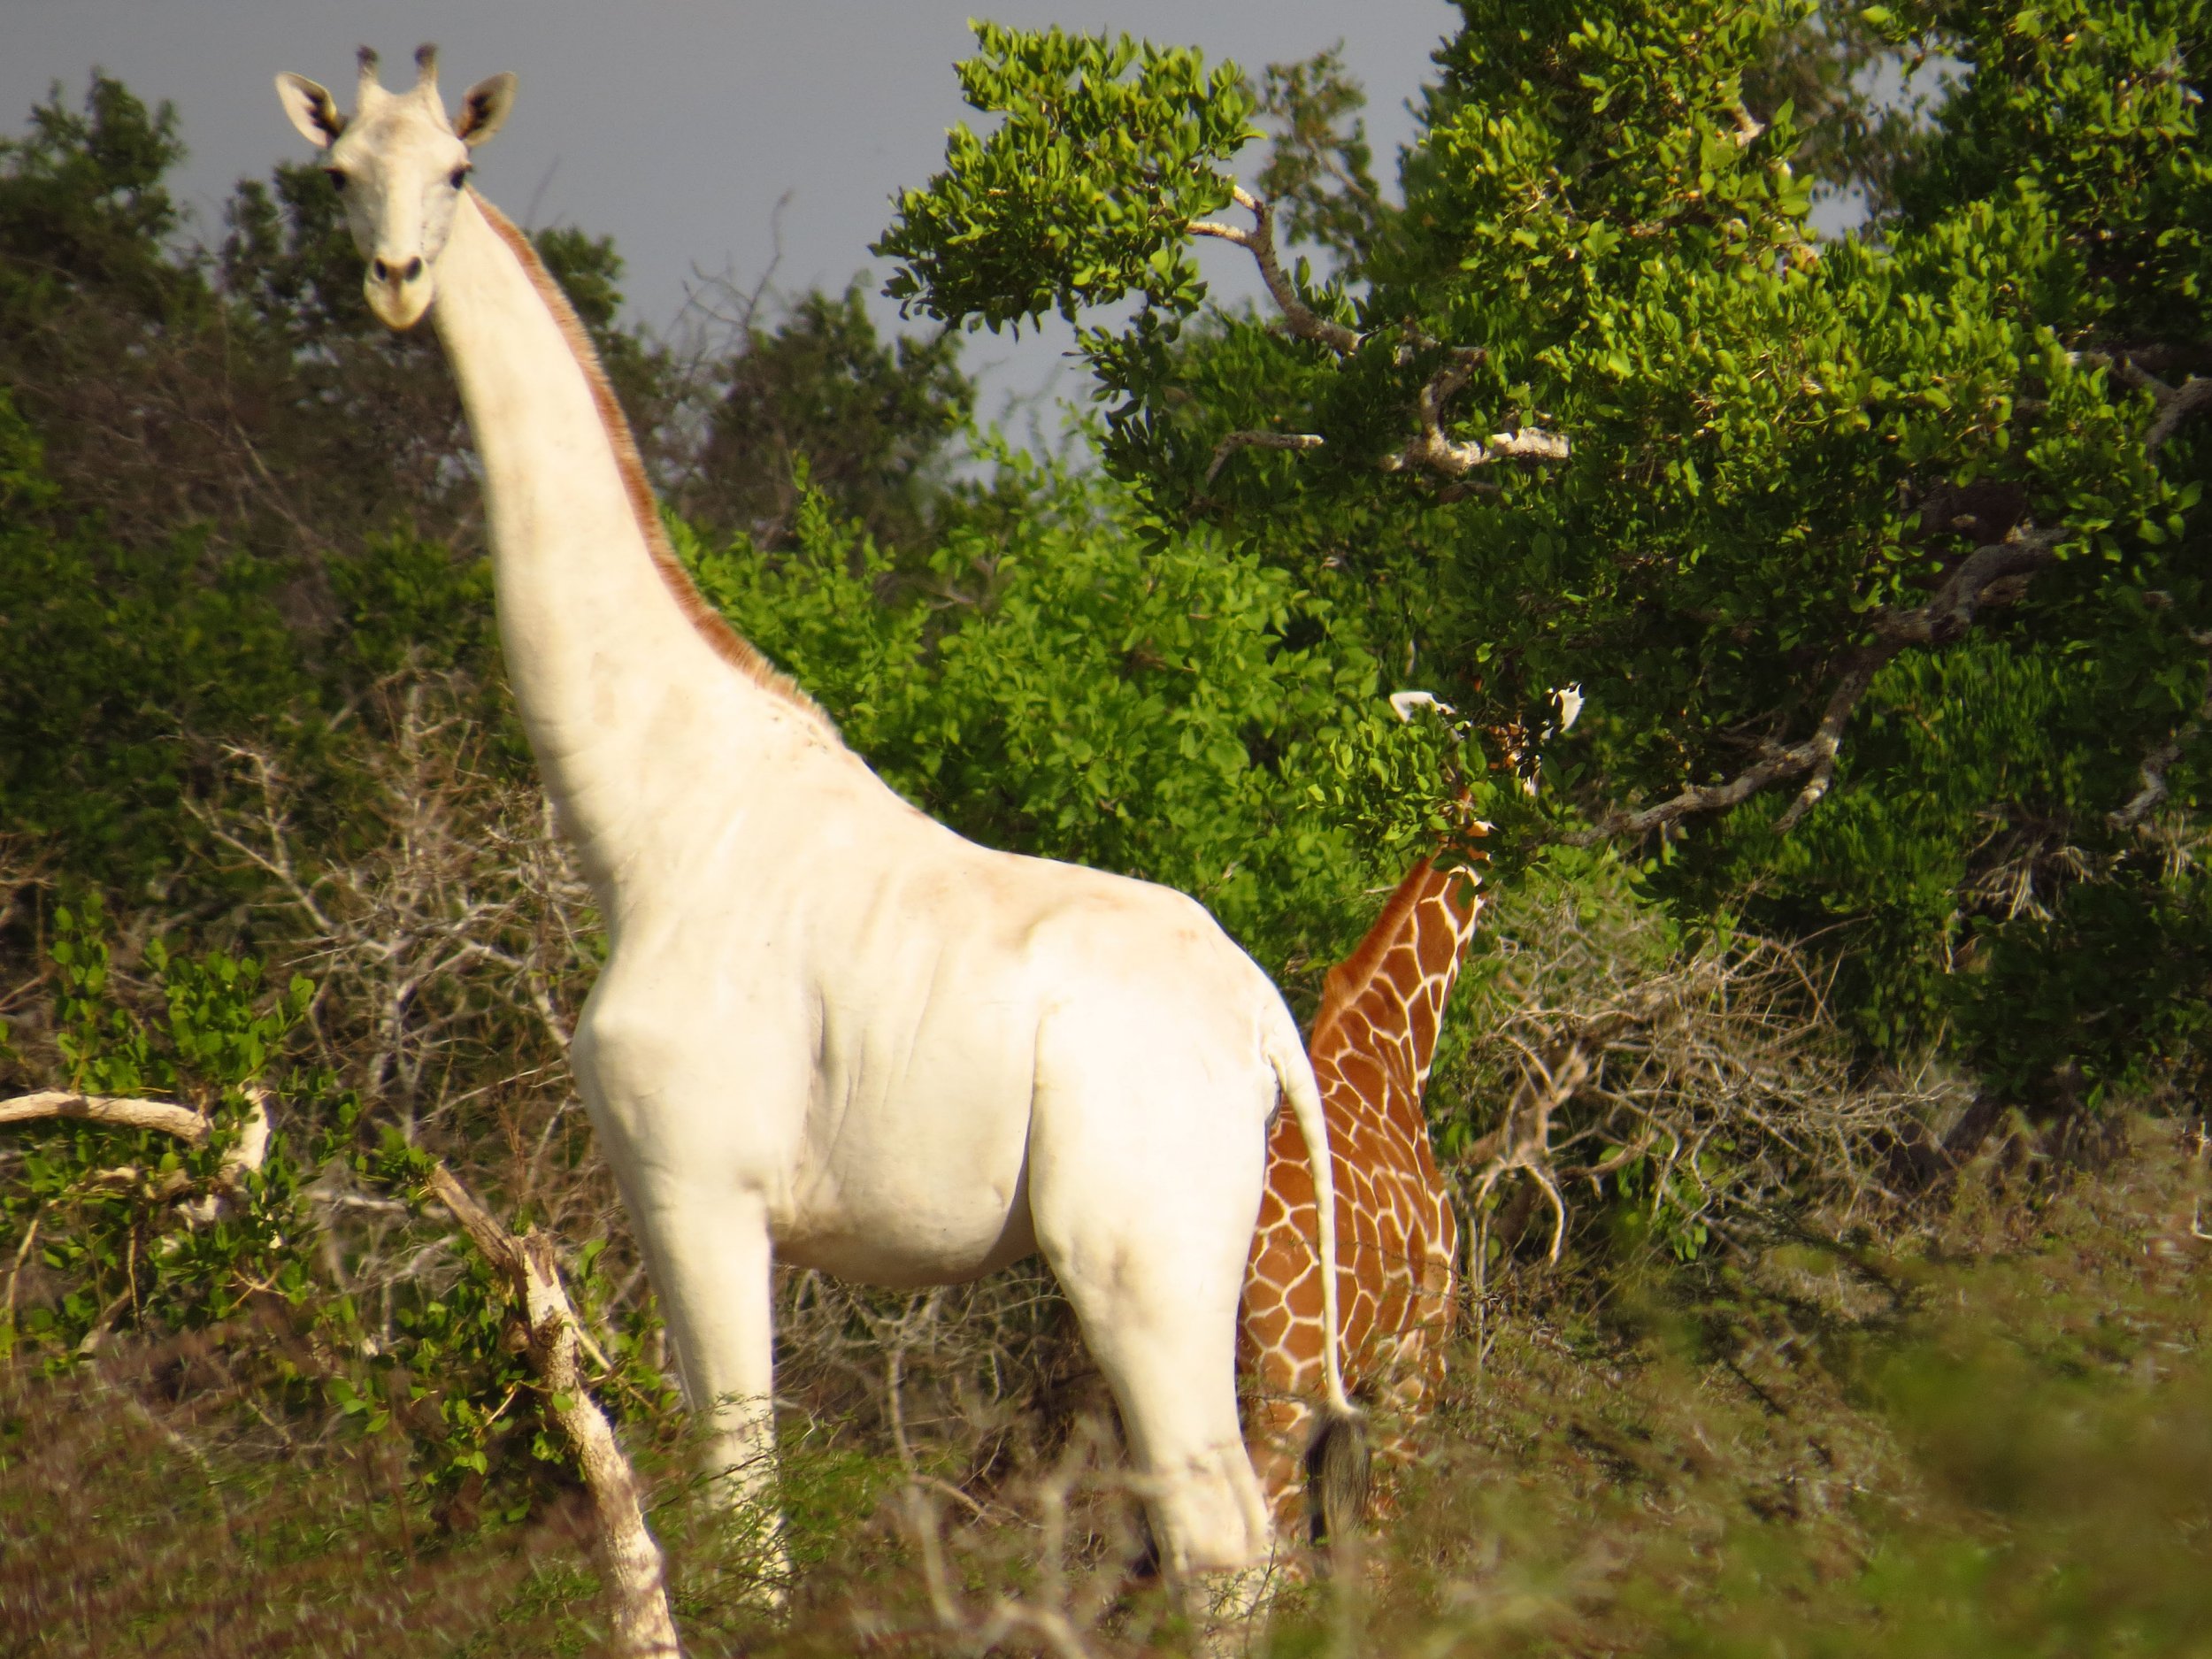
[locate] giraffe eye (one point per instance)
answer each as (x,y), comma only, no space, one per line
(337,177)
(460,176)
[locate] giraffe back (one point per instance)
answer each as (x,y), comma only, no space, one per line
(1371,1046)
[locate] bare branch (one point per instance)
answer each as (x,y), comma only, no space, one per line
(120,1111)
(637,1577)
(1300,317)
(1237,440)
(2152,773)
(165,1118)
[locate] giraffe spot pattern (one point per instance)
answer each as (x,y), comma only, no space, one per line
(1397,1233)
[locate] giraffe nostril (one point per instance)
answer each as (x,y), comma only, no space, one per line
(414,268)
(378,269)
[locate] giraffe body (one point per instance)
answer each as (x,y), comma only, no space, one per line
(828,1028)
(1398,1236)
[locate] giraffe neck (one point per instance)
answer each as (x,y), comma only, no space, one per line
(626,683)
(1384,1004)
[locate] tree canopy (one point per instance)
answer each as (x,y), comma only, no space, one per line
(1871,558)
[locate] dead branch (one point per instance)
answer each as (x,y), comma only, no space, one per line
(1720,1068)
(1300,317)
(1992,575)
(243,1156)
(1523,1141)
(120,1111)
(1237,440)
(462,912)
(1051,1613)
(643,1628)
(636,1575)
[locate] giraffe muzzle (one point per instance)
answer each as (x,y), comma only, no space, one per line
(398,290)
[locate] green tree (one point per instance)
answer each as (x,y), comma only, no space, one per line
(870,421)
(1082,681)
(1871,558)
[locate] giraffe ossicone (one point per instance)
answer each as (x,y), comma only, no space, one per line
(828,1028)
(1397,1234)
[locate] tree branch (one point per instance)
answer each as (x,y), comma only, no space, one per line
(166,1117)
(1814,754)
(1432,450)
(119,1111)
(2171,405)
(636,1575)
(1300,317)
(2152,773)
(1992,575)
(1237,440)
(1439,453)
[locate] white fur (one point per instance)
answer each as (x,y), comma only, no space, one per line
(829,1028)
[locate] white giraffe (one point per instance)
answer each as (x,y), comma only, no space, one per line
(829,1027)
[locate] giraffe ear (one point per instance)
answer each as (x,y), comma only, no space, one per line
(483,107)
(310,106)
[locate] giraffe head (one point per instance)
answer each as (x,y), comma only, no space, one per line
(400,164)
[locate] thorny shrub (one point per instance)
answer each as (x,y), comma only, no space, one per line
(1686,1090)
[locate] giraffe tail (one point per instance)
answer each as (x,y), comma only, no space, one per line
(1337,1461)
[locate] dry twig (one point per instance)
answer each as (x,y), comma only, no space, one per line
(1720,1072)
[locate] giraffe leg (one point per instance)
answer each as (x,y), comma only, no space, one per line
(709,1265)
(1143,1202)
(703,1231)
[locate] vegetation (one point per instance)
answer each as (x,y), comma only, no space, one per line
(1815,616)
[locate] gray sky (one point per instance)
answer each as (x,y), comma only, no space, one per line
(676,126)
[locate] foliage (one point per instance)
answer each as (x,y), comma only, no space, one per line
(86,210)
(1087,684)
(870,422)
(108,659)
(1078,197)
(1785,453)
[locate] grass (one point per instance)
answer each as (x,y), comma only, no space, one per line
(1993,1436)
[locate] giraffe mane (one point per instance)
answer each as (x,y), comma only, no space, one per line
(1347,982)
(730,646)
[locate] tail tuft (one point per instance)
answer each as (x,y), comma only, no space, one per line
(1337,1468)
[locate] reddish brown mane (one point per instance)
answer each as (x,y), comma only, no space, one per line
(732,647)
(1347,981)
